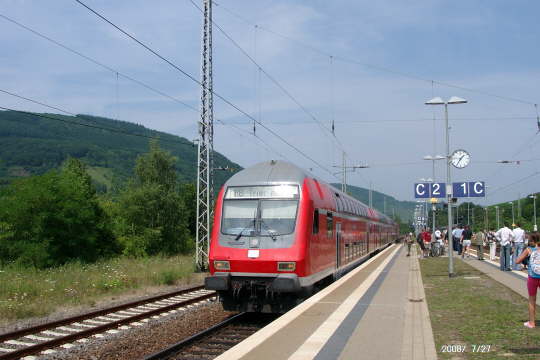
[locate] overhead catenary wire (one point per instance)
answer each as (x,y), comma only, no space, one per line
(536,173)
(268,75)
(192,78)
(102,127)
(354,121)
(388,70)
(374,67)
(116,72)
(37,102)
(71,122)
(96,62)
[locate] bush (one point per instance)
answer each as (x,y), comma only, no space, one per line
(54,218)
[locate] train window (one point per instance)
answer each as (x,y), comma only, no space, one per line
(277,217)
(239,216)
(329,224)
(316,221)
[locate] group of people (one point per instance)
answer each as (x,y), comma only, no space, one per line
(430,243)
(518,251)
(512,244)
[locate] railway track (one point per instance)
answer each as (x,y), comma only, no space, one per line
(214,341)
(43,339)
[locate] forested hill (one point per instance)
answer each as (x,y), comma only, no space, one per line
(403,209)
(32,145)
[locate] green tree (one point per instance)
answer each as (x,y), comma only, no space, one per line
(153,212)
(54,218)
(189,196)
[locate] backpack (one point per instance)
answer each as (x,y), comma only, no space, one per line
(534,261)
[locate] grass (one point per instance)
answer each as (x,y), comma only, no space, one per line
(27,292)
(473,309)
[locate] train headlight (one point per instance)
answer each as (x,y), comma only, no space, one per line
(222,265)
(286,266)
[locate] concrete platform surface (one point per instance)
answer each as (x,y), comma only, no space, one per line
(377,311)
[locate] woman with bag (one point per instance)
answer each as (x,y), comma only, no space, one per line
(532,252)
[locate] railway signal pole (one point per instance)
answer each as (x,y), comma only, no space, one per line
(344,169)
(205,186)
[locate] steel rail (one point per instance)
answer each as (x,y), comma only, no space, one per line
(38,328)
(166,353)
(16,354)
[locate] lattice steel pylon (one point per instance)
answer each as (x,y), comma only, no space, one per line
(205,186)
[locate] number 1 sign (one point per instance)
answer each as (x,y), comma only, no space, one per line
(469,189)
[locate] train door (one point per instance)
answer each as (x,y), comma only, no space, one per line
(338,245)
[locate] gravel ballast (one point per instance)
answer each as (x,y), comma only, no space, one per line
(153,336)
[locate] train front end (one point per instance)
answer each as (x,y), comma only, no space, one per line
(257,250)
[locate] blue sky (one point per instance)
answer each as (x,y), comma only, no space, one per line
(486,46)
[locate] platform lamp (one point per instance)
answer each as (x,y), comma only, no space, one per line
(438,101)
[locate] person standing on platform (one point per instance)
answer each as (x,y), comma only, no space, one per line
(409,241)
(445,240)
(478,241)
(492,244)
(426,236)
(466,237)
(504,235)
(532,252)
(456,238)
(420,241)
(519,244)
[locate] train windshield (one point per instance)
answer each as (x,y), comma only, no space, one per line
(277,217)
(239,217)
(260,210)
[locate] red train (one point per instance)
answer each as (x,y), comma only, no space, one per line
(279,234)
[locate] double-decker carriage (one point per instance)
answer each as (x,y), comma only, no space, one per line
(279,233)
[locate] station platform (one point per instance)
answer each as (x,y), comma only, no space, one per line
(377,311)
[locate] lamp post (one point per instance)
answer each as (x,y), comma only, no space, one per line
(430,180)
(513,218)
(497,216)
(533,196)
(439,101)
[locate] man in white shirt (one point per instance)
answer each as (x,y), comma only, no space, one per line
(456,237)
(519,244)
(504,235)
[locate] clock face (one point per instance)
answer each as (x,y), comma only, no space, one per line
(460,159)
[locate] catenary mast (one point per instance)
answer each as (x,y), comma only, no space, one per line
(205,186)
